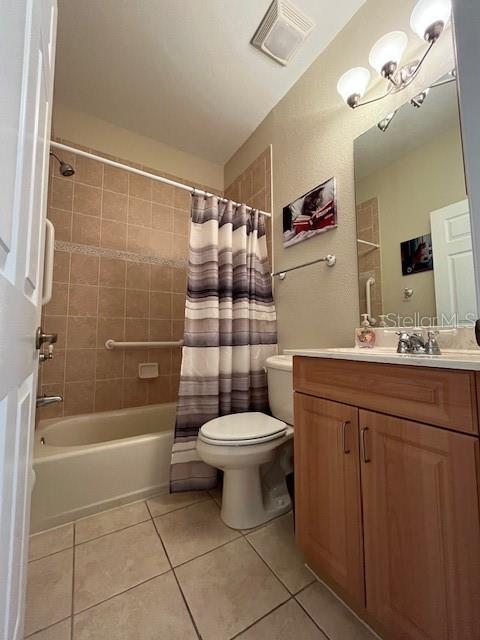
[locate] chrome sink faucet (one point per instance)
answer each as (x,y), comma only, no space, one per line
(417,344)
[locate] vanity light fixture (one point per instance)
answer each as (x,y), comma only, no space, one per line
(385,122)
(428,21)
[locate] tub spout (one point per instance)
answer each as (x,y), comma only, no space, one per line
(43,401)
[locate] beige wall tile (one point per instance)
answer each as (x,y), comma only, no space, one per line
(79,397)
(86,230)
(181,222)
(180,247)
(110,329)
(132,360)
(139,187)
(88,171)
(136,330)
(108,395)
(163,193)
(160,330)
(87,200)
(159,389)
(180,280)
(160,305)
(111,302)
(160,244)
(138,275)
(137,304)
(61,266)
(182,199)
(84,269)
(112,272)
(61,194)
(178,306)
(108,364)
(161,277)
(62,221)
(162,217)
(59,303)
(176,361)
(139,240)
(134,392)
(54,370)
(114,206)
(82,300)
(113,235)
(163,357)
(81,332)
(177,329)
(80,365)
(115,179)
(139,212)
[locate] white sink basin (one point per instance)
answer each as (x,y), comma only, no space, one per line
(449,359)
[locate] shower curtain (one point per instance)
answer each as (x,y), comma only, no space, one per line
(230,330)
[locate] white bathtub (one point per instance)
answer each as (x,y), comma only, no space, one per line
(88,463)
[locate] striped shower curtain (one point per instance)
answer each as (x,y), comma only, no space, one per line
(230,330)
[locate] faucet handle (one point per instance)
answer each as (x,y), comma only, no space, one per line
(431,344)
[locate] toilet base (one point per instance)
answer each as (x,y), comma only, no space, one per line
(246,504)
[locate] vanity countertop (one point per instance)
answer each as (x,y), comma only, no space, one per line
(449,359)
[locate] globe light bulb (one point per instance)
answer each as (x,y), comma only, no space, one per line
(353,84)
(429,18)
(387,52)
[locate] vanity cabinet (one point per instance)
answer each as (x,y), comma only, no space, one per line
(387,508)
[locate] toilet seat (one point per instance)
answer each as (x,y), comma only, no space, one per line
(242,429)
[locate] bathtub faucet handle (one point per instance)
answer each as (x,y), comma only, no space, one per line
(44,338)
(43,401)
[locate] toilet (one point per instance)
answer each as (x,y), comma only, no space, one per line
(255,453)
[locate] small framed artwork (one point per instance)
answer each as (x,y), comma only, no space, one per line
(417,255)
(313,213)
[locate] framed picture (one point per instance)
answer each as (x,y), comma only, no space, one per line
(417,255)
(313,213)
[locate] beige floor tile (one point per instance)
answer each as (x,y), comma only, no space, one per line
(109,565)
(216,494)
(167,502)
(59,631)
(49,591)
(50,541)
(229,589)
(276,544)
(289,622)
(152,611)
(109,521)
(189,532)
(335,620)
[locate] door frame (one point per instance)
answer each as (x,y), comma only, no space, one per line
(466,18)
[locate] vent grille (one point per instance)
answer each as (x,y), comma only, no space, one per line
(281,31)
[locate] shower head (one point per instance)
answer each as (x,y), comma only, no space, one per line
(65,169)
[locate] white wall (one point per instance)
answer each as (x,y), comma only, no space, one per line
(92,132)
(312,134)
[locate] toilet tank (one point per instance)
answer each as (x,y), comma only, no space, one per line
(280,387)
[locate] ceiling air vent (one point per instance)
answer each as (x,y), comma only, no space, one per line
(281,31)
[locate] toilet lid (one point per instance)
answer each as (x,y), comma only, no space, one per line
(241,427)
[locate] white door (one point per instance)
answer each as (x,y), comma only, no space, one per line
(27,49)
(453,263)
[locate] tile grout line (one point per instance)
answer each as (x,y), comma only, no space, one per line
(176,579)
(308,614)
(261,618)
(30,636)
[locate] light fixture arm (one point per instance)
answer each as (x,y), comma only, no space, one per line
(398,85)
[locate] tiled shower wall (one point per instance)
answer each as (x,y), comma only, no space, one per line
(254,187)
(369,257)
(119,272)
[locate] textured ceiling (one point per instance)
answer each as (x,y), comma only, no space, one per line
(182,72)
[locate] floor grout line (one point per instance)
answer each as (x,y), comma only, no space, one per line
(309,616)
(177,581)
(261,618)
(104,535)
(46,628)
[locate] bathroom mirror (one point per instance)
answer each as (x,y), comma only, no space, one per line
(413,224)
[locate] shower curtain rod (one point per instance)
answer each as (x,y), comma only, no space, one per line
(119,165)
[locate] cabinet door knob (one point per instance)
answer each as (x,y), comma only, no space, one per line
(363,432)
(344,436)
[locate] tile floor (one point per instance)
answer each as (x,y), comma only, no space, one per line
(168,569)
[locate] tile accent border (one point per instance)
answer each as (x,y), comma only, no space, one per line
(72,247)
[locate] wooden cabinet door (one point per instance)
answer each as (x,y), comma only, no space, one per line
(421,529)
(327,488)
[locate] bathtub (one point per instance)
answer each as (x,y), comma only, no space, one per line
(87,463)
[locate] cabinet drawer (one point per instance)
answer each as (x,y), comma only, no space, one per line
(443,397)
